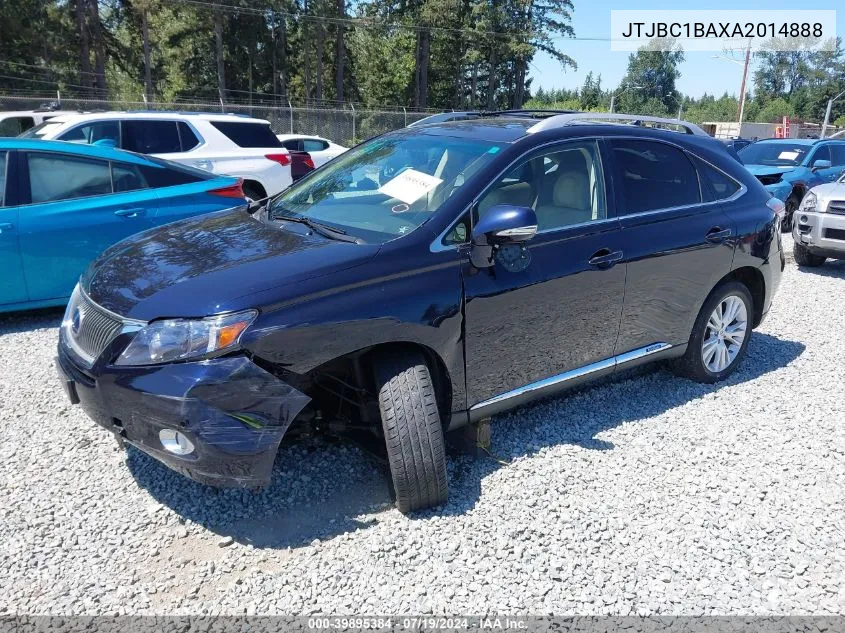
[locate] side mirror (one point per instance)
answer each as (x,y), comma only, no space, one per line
(821,164)
(501,224)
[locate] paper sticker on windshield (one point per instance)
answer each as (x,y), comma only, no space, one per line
(409,186)
(788,156)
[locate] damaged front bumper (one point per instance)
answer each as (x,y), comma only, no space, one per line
(232,412)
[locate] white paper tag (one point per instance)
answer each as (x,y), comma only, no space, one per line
(409,186)
(788,156)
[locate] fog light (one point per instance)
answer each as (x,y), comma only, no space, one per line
(803,219)
(175,442)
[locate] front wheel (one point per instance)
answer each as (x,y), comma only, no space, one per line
(791,205)
(805,258)
(413,433)
(720,336)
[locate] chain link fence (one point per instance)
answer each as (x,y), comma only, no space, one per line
(346,126)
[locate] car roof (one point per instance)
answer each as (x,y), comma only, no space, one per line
(790,141)
(80,149)
(156,114)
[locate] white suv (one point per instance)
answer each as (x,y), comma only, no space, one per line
(227,144)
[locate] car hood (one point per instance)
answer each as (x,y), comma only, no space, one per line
(768,170)
(211,264)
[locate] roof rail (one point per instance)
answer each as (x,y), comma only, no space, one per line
(533,113)
(561,120)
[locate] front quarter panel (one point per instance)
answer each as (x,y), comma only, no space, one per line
(398,297)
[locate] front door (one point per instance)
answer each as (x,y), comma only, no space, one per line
(553,307)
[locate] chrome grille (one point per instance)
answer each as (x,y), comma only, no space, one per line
(837,207)
(88,327)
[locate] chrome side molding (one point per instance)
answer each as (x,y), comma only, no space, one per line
(548,384)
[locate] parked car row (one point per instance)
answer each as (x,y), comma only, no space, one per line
(421,282)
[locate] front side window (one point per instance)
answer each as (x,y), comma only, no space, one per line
(314,145)
(96,131)
(388,186)
(653,176)
(564,186)
(822,153)
(837,154)
(53,177)
(293,145)
(151,137)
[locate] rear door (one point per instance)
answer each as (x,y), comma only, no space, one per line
(12,283)
(72,215)
(678,240)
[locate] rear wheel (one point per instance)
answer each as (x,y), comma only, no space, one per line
(805,258)
(720,336)
(253,191)
(412,431)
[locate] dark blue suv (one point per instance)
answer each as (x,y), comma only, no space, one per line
(425,280)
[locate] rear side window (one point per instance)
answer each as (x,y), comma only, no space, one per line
(314,145)
(167,176)
(3,162)
(245,134)
(187,137)
(15,125)
(53,177)
(654,176)
(151,137)
(294,145)
(715,185)
(127,177)
(837,154)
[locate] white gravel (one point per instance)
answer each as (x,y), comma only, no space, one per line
(649,495)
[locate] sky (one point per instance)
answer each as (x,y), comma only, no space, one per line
(700,73)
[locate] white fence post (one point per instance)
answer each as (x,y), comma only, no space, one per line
(290,112)
(354,135)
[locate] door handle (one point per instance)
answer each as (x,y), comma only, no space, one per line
(605,258)
(129,213)
(717,235)
(6,227)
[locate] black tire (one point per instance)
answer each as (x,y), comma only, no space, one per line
(805,258)
(691,364)
(412,431)
(792,204)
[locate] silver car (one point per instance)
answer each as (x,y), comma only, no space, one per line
(819,227)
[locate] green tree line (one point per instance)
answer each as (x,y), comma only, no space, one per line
(414,53)
(797,84)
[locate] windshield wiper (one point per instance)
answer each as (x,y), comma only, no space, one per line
(318,227)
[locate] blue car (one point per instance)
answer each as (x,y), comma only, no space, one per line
(789,167)
(62,204)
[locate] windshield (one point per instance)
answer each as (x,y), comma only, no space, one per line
(775,154)
(42,129)
(388,186)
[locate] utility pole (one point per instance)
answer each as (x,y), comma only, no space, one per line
(741,113)
(827,113)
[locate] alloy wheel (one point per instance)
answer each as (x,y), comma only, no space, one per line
(726,330)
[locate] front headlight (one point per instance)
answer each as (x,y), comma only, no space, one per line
(179,339)
(809,202)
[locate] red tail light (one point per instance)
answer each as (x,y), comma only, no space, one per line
(232,191)
(282,159)
(309,162)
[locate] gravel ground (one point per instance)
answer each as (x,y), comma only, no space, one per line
(649,495)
